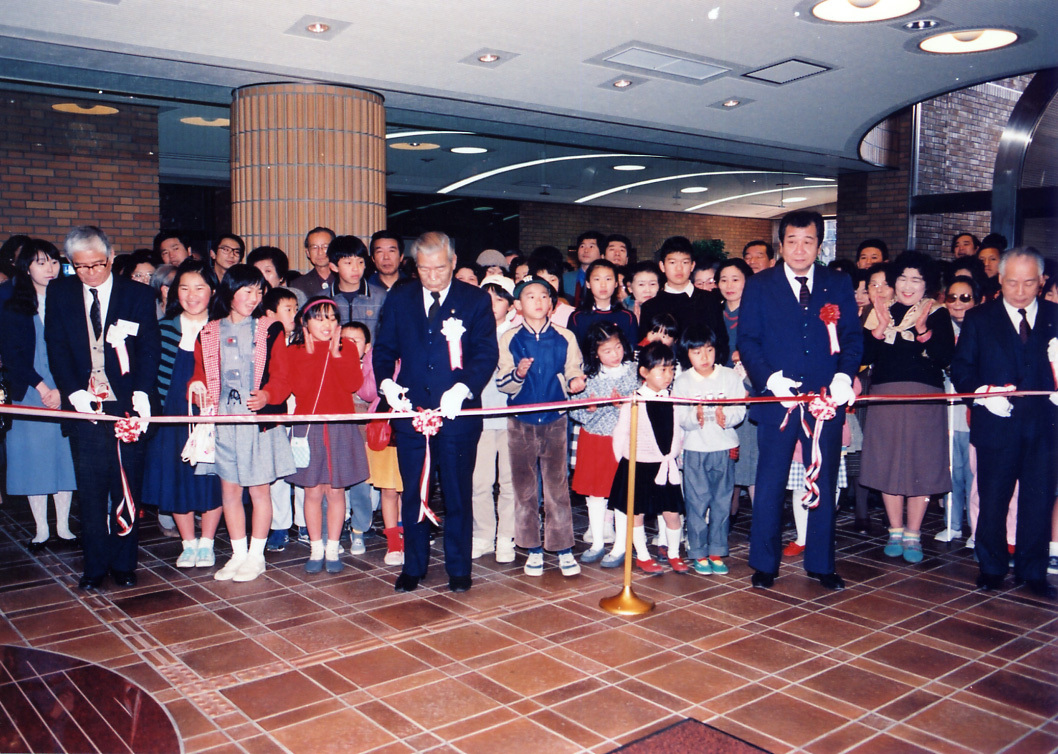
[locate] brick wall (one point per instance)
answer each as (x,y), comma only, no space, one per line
(59,170)
(560,224)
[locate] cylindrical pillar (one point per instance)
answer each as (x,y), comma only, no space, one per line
(306,155)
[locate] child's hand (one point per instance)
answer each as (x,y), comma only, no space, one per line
(258,399)
(197,391)
(721,421)
(523,368)
(577,385)
(336,343)
(701,414)
(590,409)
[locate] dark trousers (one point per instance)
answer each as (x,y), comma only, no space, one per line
(453,456)
(773,470)
(99,493)
(1030,462)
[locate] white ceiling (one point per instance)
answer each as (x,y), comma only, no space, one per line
(549,96)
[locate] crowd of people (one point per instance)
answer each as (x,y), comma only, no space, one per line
(369,329)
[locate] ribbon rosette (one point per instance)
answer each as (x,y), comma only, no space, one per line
(427,423)
(116,338)
(453,330)
(126,430)
(830,314)
(823,408)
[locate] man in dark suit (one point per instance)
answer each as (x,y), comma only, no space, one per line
(786,349)
(104,349)
(1009,344)
(444,335)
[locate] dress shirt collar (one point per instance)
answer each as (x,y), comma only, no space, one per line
(1015,316)
(427,297)
(687,290)
(795,285)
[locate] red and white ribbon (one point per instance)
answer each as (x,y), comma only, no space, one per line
(116,335)
(830,314)
(428,423)
(823,408)
(453,330)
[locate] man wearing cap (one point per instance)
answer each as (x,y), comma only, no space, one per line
(443,334)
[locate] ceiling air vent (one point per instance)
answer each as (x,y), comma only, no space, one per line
(787,71)
(661,62)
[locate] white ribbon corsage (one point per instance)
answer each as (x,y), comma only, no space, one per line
(453,330)
(116,338)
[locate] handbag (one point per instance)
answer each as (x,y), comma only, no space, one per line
(379,433)
(201,440)
(299,446)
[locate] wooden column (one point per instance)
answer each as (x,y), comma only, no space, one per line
(306,155)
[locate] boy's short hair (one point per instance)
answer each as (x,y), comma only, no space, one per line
(656,354)
(272,254)
(342,247)
(355,325)
(675,245)
(543,264)
(275,296)
(694,336)
(529,280)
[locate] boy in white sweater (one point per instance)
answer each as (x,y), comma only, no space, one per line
(709,443)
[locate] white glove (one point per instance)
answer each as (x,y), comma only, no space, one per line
(141,404)
(396,396)
(782,387)
(452,400)
(1052,350)
(82,402)
(999,405)
(841,390)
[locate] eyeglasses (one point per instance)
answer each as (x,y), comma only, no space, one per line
(142,277)
(319,247)
(232,250)
(965,298)
(91,267)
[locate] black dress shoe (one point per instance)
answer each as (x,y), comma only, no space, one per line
(38,546)
(1039,587)
(459,583)
(71,543)
(828,580)
(89,584)
(989,583)
(762,580)
(862,526)
(406,583)
(123,578)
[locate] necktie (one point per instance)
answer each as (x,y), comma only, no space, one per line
(1023,328)
(435,306)
(803,296)
(94,315)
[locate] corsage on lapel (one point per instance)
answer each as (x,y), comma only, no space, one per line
(453,330)
(116,338)
(830,314)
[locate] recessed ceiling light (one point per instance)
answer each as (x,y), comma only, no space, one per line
(488,57)
(794,199)
(199,121)
(622,83)
(694,189)
(415,146)
(70,107)
(468,150)
(317,28)
(732,103)
(920,24)
(969,40)
(629,167)
(860,11)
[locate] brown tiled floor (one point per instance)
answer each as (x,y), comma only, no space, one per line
(906,659)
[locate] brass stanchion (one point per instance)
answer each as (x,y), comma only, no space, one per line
(627,602)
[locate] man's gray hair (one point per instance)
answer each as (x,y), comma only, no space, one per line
(431,243)
(80,239)
(1021,252)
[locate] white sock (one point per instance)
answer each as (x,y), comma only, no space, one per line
(331,551)
(316,549)
(238,548)
(674,536)
(597,521)
(190,544)
(800,517)
(1054,549)
(62,513)
(38,505)
(204,543)
(620,525)
(639,542)
(257,546)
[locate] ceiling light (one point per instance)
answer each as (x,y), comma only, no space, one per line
(622,83)
(530,164)
(199,121)
(406,134)
(810,178)
(415,146)
(794,199)
(488,57)
(70,107)
(919,25)
(694,189)
(483,209)
(860,11)
(629,167)
(732,103)
(468,150)
(970,40)
(317,28)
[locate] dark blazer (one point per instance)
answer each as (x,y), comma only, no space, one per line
(66,334)
(18,345)
(776,334)
(404,333)
(990,352)
(700,307)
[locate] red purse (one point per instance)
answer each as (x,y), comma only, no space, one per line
(379,433)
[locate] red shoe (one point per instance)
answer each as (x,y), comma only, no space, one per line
(649,566)
(678,566)
(792,550)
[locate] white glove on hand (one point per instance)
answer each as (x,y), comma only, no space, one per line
(782,387)
(452,400)
(999,405)
(841,390)
(141,404)
(395,395)
(1052,350)
(82,401)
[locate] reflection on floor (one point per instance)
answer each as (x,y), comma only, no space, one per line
(905,659)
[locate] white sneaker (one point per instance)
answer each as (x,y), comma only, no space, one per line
(251,568)
(970,543)
(534,565)
(394,558)
(205,558)
(187,558)
(505,550)
(568,564)
(480,547)
(947,535)
(230,568)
